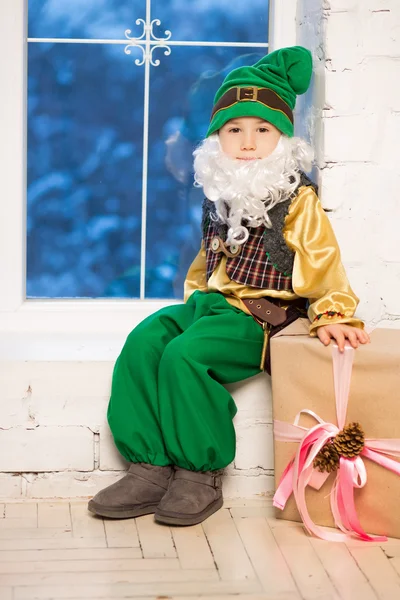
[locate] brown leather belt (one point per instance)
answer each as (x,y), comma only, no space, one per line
(265,311)
(273,312)
(273,318)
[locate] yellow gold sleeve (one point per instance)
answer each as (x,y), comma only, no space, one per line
(196,276)
(318,273)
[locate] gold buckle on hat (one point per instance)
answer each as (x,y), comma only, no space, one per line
(249,93)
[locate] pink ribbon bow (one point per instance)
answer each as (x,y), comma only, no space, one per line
(351,474)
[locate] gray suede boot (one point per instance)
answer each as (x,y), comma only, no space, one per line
(136,494)
(192,497)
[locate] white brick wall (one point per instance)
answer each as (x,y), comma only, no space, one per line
(54,439)
(46,449)
(356,94)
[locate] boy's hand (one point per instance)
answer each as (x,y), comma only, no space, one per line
(341,332)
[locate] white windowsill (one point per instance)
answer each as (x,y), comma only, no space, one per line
(68,347)
(102,317)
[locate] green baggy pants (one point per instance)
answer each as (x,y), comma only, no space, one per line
(168,404)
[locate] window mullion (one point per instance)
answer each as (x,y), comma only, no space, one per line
(147,57)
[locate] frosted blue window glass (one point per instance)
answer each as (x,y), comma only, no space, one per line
(104,19)
(86,125)
(85,129)
(212,20)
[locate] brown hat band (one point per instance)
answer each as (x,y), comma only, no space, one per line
(253,94)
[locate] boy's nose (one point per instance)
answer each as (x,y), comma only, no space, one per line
(248,143)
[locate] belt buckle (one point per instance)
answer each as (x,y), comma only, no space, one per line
(250,94)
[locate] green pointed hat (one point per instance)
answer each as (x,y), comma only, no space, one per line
(266,90)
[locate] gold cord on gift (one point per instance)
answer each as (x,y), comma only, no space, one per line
(348,443)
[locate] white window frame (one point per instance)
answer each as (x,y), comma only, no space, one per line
(18,314)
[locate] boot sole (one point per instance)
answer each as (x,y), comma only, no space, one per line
(168,519)
(101,511)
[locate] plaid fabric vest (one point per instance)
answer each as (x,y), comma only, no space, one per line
(264,260)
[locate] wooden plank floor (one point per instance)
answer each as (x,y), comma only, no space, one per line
(57,550)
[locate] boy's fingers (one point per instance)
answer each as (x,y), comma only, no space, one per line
(340,339)
(341,333)
(353,338)
(323,336)
(363,336)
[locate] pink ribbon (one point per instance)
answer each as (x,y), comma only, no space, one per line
(351,474)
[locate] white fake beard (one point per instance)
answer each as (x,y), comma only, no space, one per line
(245,191)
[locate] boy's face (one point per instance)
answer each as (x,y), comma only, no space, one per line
(248,138)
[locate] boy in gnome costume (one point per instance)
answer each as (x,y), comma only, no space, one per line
(268,251)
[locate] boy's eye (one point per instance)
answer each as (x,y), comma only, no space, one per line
(263,129)
(234,130)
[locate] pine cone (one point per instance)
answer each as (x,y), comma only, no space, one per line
(327,459)
(350,441)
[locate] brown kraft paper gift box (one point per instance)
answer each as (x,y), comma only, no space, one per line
(302,378)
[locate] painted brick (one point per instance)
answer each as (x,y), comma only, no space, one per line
(342,41)
(245,486)
(381,32)
(14,412)
(358,189)
(390,324)
(378,84)
(92,379)
(70,484)
(22,379)
(43,393)
(15,379)
(333,192)
(10,486)
(389,284)
(351,138)
(388,155)
(366,198)
(341,5)
(343,95)
(110,458)
(377,5)
(73,410)
(254,445)
(345,230)
(365,282)
(361,184)
(254,395)
(46,449)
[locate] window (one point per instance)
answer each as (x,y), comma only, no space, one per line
(101,124)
